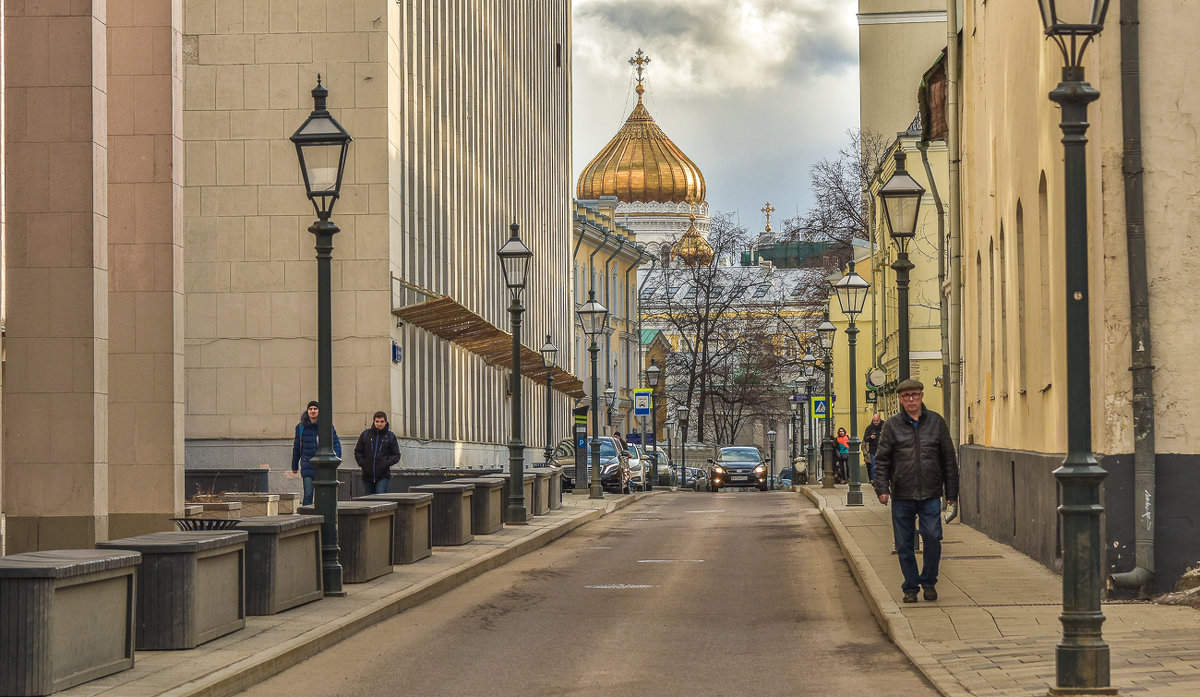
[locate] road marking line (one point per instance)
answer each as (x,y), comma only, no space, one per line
(718,510)
(599,547)
(646,519)
(670,561)
(618,586)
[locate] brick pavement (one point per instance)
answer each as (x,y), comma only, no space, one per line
(993,629)
(269,645)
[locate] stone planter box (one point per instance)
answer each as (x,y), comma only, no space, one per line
(365,538)
(192,509)
(451,512)
(530,481)
(555,488)
(289,501)
(412,536)
(254,504)
(220,509)
(487,504)
(541,491)
(66,617)
(283,562)
(191,586)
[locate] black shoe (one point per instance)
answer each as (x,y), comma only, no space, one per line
(930,593)
(910,596)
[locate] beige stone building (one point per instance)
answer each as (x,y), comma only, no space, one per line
(457,133)
(158,276)
(896,40)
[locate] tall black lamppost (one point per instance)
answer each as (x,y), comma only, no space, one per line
(681,418)
(1081,658)
(794,406)
(771,434)
(652,374)
(549,351)
(810,380)
(669,425)
(825,333)
(321,146)
(514,262)
(593,316)
(901,202)
(851,292)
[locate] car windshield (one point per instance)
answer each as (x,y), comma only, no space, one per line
(607,449)
(739,455)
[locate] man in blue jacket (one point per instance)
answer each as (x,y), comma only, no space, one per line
(914,464)
(305,446)
(376,451)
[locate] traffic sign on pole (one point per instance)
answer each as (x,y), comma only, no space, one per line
(641,401)
(819,409)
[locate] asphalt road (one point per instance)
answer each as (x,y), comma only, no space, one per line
(739,593)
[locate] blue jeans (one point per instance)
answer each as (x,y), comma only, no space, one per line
(929,519)
(379,487)
(308,492)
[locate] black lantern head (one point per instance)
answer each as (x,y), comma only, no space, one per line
(514,262)
(1072,24)
(851,292)
(652,374)
(681,415)
(321,146)
(610,396)
(549,351)
(592,315)
(901,202)
(810,364)
(825,334)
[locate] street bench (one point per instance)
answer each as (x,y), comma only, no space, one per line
(412,532)
(191,586)
(451,512)
(283,562)
(66,617)
(365,530)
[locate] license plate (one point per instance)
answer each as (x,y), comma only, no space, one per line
(738,478)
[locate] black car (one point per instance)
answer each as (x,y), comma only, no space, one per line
(614,465)
(737,465)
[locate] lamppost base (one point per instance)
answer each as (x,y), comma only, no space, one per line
(595,492)
(854,498)
(1081,691)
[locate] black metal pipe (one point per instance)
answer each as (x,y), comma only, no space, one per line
(325,461)
(902,266)
(595,489)
(854,497)
(1142,399)
(517,513)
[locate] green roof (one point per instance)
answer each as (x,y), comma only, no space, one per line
(648,335)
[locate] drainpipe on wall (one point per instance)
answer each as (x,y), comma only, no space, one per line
(943,310)
(954,384)
(1139,308)
(608,364)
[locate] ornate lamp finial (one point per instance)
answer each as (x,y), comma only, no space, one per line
(640,60)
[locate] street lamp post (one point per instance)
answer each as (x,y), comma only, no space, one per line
(825,333)
(901,202)
(514,262)
(681,417)
(851,292)
(652,374)
(1082,657)
(669,425)
(593,316)
(810,380)
(549,351)
(771,434)
(321,146)
(795,408)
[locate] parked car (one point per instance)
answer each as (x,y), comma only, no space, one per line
(614,465)
(638,463)
(664,466)
(737,465)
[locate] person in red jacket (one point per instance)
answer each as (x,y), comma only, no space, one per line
(376,451)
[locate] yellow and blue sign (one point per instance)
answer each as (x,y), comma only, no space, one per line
(819,408)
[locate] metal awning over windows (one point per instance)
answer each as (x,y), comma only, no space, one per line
(447,319)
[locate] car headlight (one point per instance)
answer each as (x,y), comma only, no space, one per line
(609,469)
(760,469)
(719,469)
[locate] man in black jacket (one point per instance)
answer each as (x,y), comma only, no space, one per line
(914,465)
(871,439)
(376,451)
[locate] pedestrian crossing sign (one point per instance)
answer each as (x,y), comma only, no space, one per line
(818,408)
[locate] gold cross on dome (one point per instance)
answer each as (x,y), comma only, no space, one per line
(640,60)
(768,210)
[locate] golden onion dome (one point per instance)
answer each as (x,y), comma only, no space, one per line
(641,164)
(692,249)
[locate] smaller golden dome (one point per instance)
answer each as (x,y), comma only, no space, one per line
(692,249)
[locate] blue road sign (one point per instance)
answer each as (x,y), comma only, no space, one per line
(818,408)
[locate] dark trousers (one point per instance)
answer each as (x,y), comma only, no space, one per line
(928,517)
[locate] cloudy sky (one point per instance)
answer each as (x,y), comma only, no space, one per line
(754,91)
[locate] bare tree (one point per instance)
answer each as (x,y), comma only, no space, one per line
(840,211)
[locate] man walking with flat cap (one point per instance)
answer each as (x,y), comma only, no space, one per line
(914,465)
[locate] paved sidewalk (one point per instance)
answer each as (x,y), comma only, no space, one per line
(269,645)
(993,629)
